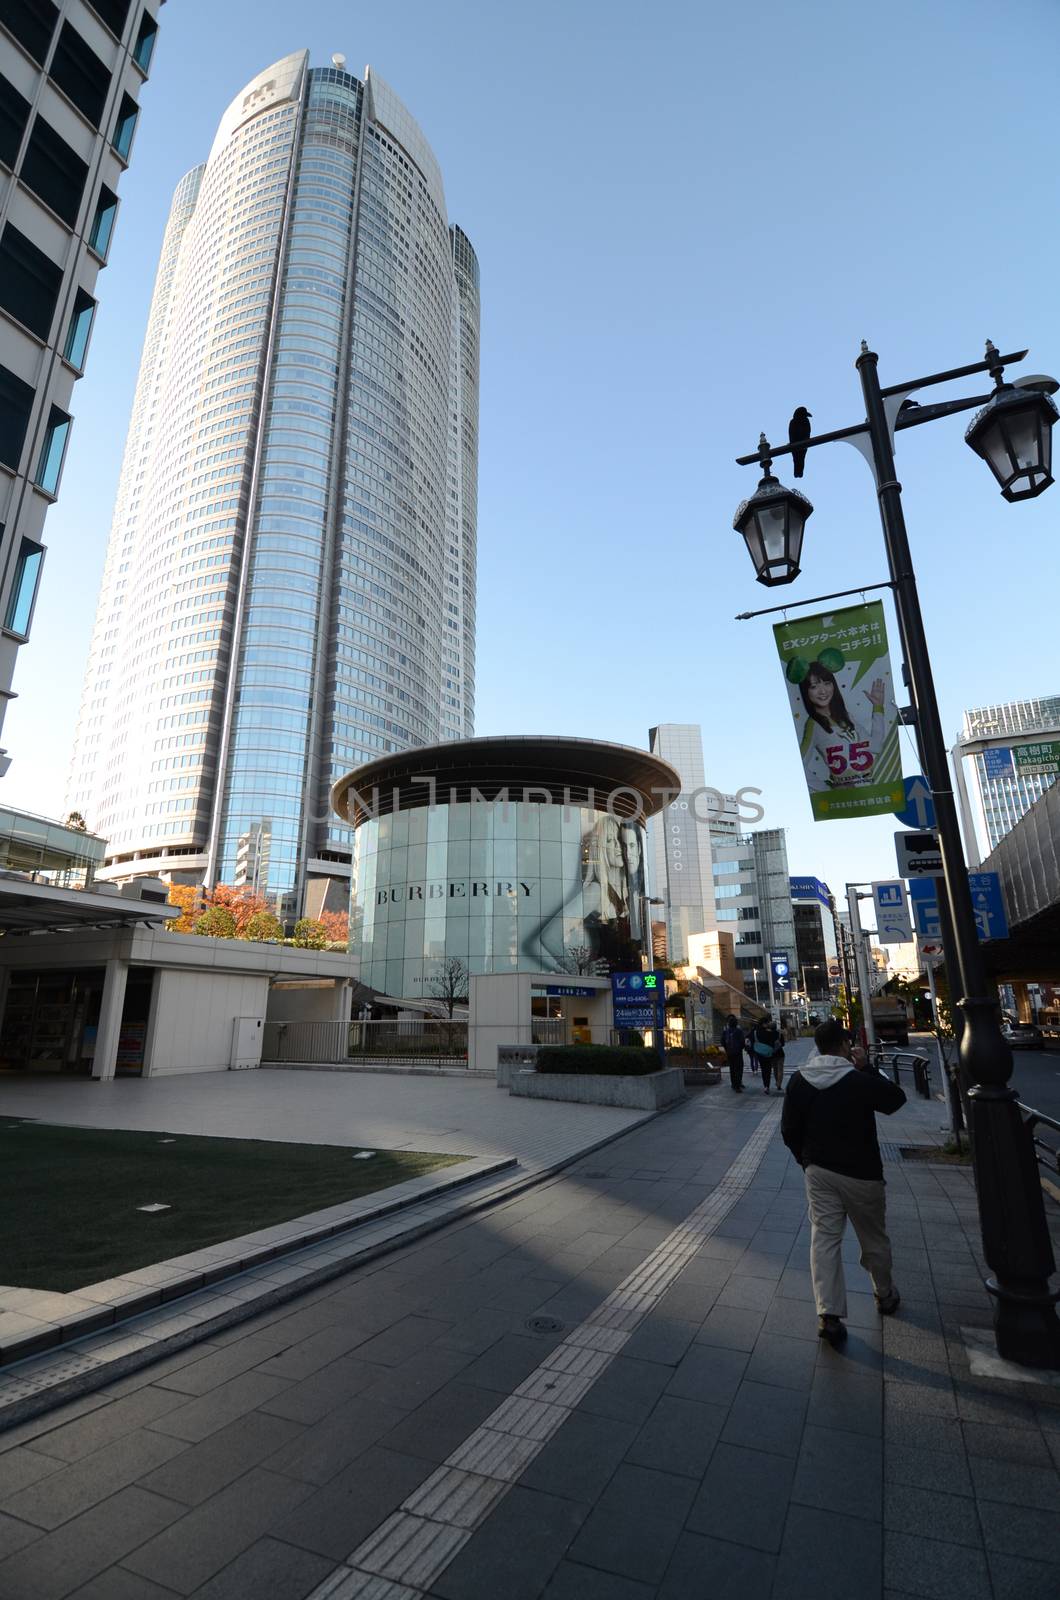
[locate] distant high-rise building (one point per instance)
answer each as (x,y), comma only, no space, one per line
(70,78)
(680,839)
(753,901)
(1005,758)
(289,588)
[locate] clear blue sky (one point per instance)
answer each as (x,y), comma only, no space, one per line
(687,215)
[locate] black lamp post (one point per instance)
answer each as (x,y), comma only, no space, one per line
(1012,434)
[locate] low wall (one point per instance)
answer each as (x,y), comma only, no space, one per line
(648,1093)
(512,1058)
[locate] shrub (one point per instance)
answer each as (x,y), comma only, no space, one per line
(263,927)
(623,1061)
(310,934)
(217,921)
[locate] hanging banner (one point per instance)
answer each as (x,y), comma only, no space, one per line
(838,676)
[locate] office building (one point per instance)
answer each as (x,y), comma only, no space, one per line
(817,948)
(289,588)
(1005,758)
(751,882)
(70,79)
(682,875)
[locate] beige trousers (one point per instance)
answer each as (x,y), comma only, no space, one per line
(832,1198)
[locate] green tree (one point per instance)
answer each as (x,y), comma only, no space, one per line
(310,934)
(218,922)
(263,927)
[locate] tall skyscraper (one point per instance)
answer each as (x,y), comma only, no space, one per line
(289,588)
(1004,760)
(70,77)
(680,839)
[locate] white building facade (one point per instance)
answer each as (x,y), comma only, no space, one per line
(289,587)
(70,78)
(1004,760)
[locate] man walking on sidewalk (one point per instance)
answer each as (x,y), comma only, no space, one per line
(829,1125)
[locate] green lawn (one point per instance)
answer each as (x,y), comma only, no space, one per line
(68,1196)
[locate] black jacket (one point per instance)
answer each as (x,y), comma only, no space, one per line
(832,1122)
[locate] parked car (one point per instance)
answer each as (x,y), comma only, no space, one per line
(1022,1035)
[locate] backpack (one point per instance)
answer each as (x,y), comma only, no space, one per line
(763,1048)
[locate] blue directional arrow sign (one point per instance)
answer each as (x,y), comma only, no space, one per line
(919,808)
(989,907)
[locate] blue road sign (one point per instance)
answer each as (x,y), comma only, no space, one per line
(919,808)
(997,763)
(638,999)
(781,969)
(986,899)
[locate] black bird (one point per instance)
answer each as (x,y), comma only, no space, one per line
(798,430)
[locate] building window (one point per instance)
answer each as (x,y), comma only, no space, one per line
(29,282)
(125,126)
(54,172)
(50,465)
(32,22)
(103,222)
(144,48)
(14,114)
(113,13)
(16,400)
(80,74)
(80,328)
(24,588)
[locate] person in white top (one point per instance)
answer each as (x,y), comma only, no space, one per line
(839,750)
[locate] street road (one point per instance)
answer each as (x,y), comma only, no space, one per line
(1036,1075)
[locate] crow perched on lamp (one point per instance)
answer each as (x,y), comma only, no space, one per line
(798,430)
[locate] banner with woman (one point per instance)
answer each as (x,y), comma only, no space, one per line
(838,675)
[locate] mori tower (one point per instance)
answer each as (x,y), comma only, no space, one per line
(289,589)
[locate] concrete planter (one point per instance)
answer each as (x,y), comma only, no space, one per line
(648,1093)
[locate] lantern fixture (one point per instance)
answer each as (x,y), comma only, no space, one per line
(1013,434)
(772,523)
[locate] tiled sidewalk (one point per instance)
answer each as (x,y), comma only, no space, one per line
(723,1453)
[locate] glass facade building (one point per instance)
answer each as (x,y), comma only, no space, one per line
(510,855)
(290,581)
(71,72)
(1005,759)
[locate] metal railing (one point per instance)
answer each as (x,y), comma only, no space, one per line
(898,1061)
(1047,1155)
(405,1039)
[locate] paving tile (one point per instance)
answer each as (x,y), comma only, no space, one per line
(516,1550)
(626,1390)
(402,1339)
(679,1436)
(934,1568)
(317,1454)
(689,1302)
(1015,1484)
(926,1432)
(435,1429)
(270,1568)
(15,1535)
(199,1377)
(60,1562)
(72,1440)
(203,1541)
(197,1419)
(1006,1444)
(744,1497)
(317,1396)
(579,1461)
(571,1581)
(765,1418)
(825,1556)
(926,1469)
(840,1471)
(83,1484)
(785,1362)
(21,1467)
(201,1470)
(334,1520)
(713,1569)
(505,1364)
(931,1514)
(749,1294)
(731,1328)
(1021,1531)
(117,1584)
(710,1375)
(1016,1578)
(661,1339)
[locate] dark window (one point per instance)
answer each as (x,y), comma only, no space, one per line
(113,13)
(32,22)
(144,48)
(16,398)
(80,327)
(50,464)
(103,222)
(80,74)
(125,126)
(24,587)
(53,171)
(14,114)
(29,282)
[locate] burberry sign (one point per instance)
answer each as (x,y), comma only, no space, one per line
(462,889)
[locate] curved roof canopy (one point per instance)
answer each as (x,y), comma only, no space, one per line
(534,769)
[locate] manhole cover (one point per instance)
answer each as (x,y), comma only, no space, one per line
(544,1325)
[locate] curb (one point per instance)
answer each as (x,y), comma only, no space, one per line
(84,1383)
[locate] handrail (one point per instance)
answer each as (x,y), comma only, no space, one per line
(913,1061)
(1052,1152)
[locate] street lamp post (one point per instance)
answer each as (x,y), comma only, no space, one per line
(1012,434)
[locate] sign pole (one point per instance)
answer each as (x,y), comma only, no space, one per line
(862,966)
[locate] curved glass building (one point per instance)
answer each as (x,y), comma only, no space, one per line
(512,855)
(290,581)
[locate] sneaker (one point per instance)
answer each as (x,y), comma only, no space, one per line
(832,1329)
(888,1304)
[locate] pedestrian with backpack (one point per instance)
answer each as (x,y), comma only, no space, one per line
(829,1125)
(765,1042)
(732,1042)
